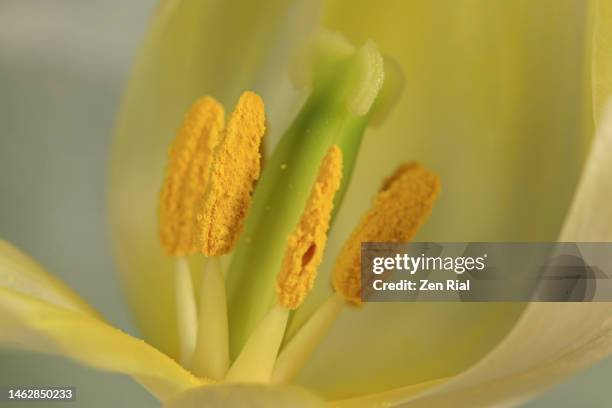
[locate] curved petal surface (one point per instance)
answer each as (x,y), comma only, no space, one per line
(39,313)
(246,396)
(551,340)
(34,325)
(477,109)
(21,274)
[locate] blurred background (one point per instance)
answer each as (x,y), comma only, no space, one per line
(63,67)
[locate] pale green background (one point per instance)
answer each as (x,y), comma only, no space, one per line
(63,65)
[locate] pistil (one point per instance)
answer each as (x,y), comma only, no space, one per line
(344,83)
(303,255)
(298,350)
(256,360)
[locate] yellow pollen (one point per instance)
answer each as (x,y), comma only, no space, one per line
(235,167)
(189,160)
(402,205)
(306,244)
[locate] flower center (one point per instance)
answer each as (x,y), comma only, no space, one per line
(235,334)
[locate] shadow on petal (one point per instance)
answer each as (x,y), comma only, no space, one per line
(246,396)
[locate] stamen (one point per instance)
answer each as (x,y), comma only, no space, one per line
(189,161)
(256,360)
(211,356)
(235,168)
(402,205)
(306,244)
(344,83)
(298,271)
(296,353)
(186,311)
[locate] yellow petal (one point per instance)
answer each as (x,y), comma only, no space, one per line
(487,385)
(21,274)
(387,398)
(469,54)
(414,343)
(570,336)
(246,395)
(35,325)
(525,364)
(590,216)
(602,58)
(39,313)
(194,48)
(478,109)
(550,341)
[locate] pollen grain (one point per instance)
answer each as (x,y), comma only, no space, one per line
(402,205)
(306,244)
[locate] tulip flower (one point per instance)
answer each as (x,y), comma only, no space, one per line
(237,238)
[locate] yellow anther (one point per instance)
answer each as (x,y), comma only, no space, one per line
(306,244)
(235,168)
(402,205)
(189,160)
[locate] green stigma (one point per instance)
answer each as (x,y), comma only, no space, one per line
(349,87)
